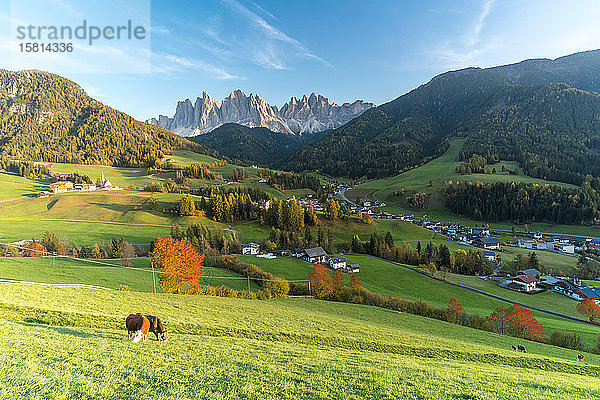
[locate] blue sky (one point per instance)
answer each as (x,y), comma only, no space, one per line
(345,50)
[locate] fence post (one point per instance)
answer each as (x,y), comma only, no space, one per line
(153,281)
(309,290)
(248,276)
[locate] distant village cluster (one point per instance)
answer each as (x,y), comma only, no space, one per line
(313,255)
(64,186)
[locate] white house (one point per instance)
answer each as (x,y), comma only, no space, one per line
(526,283)
(564,248)
(250,248)
(314,255)
(490,255)
(354,268)
(338,263)
(61,186)
(488,243)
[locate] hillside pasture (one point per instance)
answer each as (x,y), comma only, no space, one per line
(118,176)
(229,348)
(387,278)
(109,273)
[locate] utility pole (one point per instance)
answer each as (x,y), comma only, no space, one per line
(153,281)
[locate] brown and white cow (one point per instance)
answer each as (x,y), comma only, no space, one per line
(140,324)
(138,327)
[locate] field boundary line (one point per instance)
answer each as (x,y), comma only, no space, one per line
(65,285)
(86,220)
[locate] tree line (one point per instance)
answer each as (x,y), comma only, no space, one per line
(290,180)
(431,257)
(523,203)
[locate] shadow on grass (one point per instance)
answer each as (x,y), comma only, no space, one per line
(34,322)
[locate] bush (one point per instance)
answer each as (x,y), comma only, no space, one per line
(123,288)
(278,287)
(567,340)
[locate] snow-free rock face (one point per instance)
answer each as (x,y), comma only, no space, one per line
(306,115)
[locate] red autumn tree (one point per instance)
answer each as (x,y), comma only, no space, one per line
(181,266)
(354,282)
(455,311)
(589,308)
(337,280)
(517,321)
(321,281)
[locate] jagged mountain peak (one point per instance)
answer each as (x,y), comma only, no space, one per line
(309,114)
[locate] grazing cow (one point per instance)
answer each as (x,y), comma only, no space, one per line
(138,326)
(580,357)
(514,347)
(134,323)
(522,349)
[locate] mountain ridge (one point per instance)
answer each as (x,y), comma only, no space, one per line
(307,114)
(402,133)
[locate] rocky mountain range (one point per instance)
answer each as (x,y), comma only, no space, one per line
(309,114)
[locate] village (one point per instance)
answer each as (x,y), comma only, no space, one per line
(64,186)
(490,241)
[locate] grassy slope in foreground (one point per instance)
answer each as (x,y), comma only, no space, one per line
(230,348)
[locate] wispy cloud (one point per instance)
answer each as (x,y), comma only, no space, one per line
(269,46)
(265,12)
(475,37)
(465,49)
(172,64)
(160,29)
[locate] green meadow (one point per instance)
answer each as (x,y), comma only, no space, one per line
(109,273)
(391,279)
(71,343)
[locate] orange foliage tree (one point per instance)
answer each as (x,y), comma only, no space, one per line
(35,249)
(181,266)
(517,321)
(589,308)
(321,281)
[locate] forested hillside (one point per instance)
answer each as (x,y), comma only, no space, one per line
(253,145)
(523,203)
(514,112)
(44,117)
(552,130)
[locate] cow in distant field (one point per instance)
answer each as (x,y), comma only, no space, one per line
(138,326)
(521,349)
(580,357)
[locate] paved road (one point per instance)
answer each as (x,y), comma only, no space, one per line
(343,194)
(555,314)
(547,234)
